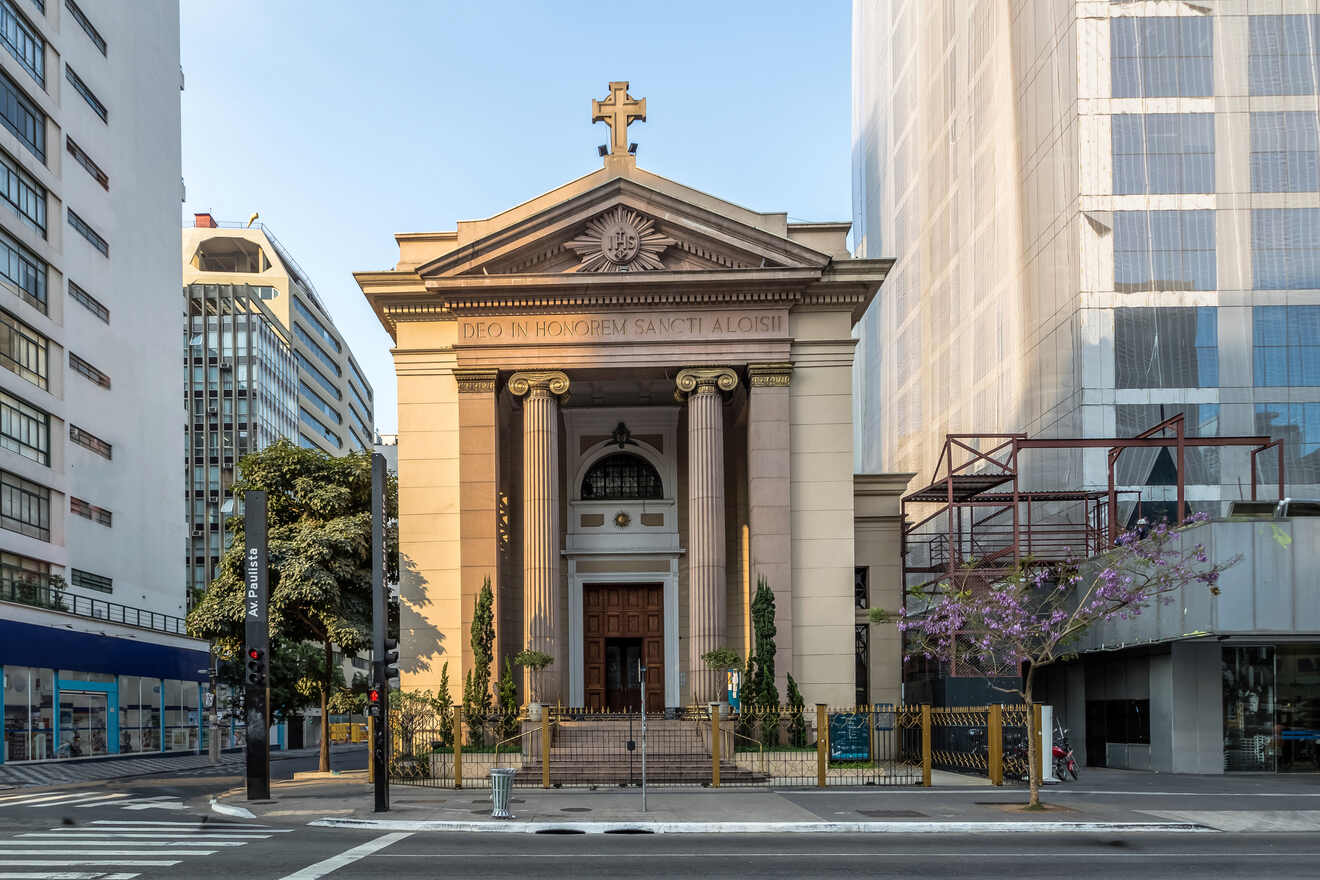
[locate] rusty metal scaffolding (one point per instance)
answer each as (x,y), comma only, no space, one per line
(984,524)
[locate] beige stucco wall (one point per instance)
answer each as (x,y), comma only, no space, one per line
(878,543)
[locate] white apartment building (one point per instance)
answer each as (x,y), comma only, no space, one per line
(91,427)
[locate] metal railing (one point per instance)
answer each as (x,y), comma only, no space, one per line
(53,598)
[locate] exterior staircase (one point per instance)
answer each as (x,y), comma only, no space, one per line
(595,752)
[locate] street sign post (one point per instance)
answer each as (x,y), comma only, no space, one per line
(382,646)
(257,650)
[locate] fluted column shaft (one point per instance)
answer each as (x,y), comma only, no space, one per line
(707,595)
(540,524)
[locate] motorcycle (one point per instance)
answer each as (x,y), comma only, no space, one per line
(1064,761)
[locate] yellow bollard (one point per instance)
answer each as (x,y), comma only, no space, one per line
(371,765)
(458,747)
(925,745)
(545,747)
(822,745)
(714,746)
(995,741)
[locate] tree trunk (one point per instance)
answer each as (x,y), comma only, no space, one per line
(1033,760)
(324,765)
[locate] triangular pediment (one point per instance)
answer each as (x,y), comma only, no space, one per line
(622,226)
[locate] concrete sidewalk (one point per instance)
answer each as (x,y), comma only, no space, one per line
(1114,801)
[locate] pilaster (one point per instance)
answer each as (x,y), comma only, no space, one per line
(769,450)
(478,475)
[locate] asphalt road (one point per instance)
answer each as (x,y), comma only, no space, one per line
(148,829)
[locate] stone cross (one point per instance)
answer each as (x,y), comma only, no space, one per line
(618,111)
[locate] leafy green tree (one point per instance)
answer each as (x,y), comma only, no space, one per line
(761,686)
(508,701)
(319,547)
(797,721)
(444,708)
(476,685)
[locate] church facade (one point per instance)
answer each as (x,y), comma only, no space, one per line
(622,404)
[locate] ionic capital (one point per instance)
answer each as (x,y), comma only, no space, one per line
(476,381)
(773,375)
(698,380)
(538,383)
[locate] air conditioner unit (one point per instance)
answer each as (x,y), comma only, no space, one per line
(213,409)
(197,533)
(226,365)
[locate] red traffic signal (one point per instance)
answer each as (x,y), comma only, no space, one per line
(373,695)
(254,654)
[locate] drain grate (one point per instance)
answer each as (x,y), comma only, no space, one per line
(893,814)
(575,809)
(561,831)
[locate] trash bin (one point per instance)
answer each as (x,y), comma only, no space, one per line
(501,783)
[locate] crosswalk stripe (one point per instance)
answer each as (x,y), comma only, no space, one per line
(64,875)
(59,863)
(144,837)
(114,852)
(145,802)
(50,800)
(100,844)
(166,824)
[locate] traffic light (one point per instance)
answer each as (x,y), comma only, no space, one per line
(373,702)
(388,659)
(256,667)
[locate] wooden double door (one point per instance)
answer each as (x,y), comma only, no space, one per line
(622,631)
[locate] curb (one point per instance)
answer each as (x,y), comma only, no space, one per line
(506,827)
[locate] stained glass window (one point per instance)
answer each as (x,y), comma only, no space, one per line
(622,476)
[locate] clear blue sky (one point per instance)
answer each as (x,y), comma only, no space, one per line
(345,122)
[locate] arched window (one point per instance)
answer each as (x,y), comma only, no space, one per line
(622,476)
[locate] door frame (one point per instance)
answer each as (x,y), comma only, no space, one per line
(111,691)
(577,580)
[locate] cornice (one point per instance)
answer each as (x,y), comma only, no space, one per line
(476,381)
(776,375)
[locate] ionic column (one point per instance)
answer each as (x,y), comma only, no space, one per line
(707,599)
(540,523)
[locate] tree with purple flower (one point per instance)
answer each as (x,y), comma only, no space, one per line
(1014,626)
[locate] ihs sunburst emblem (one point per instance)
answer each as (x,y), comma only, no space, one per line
(620,240)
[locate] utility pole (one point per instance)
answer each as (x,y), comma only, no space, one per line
(214,743)
(257,660)
(384,653)
(641,671)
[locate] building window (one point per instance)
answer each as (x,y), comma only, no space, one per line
(23,41)
(352,389)
(87,232)
(317,375)
(90,441)
(25,269)
(88,581)
(624,477)
(321,354)
(24,506)
(90,511)
(316,401)
(307,442)
(1164,250)
(88,95)
(1161,57)
(24,429)
(22,117)
(1156,466)
(1285,152)
(1285,346)
(26,580)
(1298,424)
(315,322)
(83,22)
(862,587)
(23,193)
(86,162)
(862,650)
(89,302)
(84,368)
(361,425)
(315,424)
(23,350)
(357,374)
(1283,53)
(1285,249)
(1164,153)
(1167,347)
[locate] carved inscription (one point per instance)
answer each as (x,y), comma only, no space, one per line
(639,327)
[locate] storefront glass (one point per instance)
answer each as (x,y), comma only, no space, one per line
(1298,673)
(84,724)
(182,715)
(1250,742)
(139,714)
